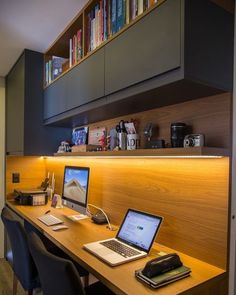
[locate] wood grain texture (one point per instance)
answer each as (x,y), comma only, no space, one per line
(191,195)
(120,279)
(31,169)
(208,115)
(153,153)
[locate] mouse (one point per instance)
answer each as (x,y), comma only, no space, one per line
(59,227)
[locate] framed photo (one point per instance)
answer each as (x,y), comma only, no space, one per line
(97,135)
(54,201)
(80,135)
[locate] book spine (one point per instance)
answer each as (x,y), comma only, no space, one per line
(151,3)
(70,53)
(114,16)
(109,25)
(88,41)
(133,9)
(101,21)
(105,12)
(127,12)
(49,71)
(74,49)
(96,25)
(46,73)
(79,44)
(119,14)
(140,7)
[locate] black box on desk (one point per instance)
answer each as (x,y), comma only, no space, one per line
(31,197)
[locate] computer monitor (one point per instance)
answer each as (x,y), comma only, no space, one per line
(75,188)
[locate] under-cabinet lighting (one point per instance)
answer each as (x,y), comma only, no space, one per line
(139,157)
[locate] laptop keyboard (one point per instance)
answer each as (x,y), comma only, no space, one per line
(120,248)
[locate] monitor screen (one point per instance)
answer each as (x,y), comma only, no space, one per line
(139,229)
(75,188)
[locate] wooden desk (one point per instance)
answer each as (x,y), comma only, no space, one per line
(204,279)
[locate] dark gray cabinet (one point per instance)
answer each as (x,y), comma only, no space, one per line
(83,84)
(181,50)
(55,98)
(26,133)
(149,48)
(86,82)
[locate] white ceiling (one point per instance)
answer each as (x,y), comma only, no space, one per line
(32,24)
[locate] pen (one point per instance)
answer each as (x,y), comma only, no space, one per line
(47,212)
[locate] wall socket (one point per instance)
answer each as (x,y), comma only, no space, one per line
(15,177)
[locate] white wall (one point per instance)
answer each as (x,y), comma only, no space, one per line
(2,158)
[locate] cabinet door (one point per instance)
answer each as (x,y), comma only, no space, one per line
(55,97)
(147,49)
(15,92)
(85,82)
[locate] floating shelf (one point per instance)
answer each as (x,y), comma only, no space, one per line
(192,152)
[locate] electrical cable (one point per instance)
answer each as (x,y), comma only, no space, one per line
(107,219)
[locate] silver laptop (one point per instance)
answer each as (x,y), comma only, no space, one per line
(133,240)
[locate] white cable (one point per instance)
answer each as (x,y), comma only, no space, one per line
(107,219)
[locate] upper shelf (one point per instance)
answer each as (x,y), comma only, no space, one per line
(193,152)
(61,46)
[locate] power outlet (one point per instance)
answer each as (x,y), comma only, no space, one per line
(15,177)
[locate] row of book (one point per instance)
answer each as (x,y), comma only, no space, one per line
(108,17)
(105,19)
(54,68)
(75,48)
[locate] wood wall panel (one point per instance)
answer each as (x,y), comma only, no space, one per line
(191,195)
(209,115)
(31,169)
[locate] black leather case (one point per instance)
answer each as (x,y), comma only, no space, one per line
(161,265)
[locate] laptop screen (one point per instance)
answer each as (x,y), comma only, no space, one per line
(139,229)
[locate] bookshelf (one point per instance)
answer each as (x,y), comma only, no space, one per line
(95,29)
(194,152)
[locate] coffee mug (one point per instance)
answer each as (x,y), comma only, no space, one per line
(133,141)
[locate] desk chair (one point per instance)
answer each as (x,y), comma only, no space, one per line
(23,265)
(58,275)
(53,249)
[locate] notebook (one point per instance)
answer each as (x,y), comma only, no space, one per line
(164,278)
(133,240)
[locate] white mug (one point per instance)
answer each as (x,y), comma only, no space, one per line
(133,141)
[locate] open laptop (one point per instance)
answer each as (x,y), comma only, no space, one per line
(133,240)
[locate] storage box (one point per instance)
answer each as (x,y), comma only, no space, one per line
(84,148)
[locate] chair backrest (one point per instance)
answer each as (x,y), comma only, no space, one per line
(23,264)
(57,275)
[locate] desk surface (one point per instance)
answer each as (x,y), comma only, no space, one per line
(120,278)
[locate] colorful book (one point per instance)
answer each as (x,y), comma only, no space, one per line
(79,48)
(140,7)
(49,71)
(113,17)
(134,9)
(70,53)
(120,15)
(56,64)
(105,20)
(127,12)
(46,73)
(109,15)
